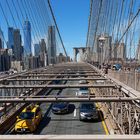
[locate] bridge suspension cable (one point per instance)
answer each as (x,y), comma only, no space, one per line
(117,20)
(57,27)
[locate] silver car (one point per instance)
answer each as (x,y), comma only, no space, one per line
(88,111)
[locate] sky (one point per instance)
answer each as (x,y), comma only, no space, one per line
(72,19)
(71,16)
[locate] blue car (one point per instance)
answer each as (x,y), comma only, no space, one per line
(117,67)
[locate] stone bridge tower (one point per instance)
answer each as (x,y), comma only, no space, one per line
(81,51)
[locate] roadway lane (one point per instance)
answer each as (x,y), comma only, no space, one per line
(67,123)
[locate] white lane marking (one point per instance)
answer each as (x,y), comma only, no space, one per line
(76,93)
(75,112)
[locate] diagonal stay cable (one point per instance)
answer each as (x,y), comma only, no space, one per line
(129,25)
(57,27)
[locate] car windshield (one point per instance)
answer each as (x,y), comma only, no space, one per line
(26,115)
(83,88)
(60,104)
(87,106)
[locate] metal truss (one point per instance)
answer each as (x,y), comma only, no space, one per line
(125,114)
(45,75)
(58,86)
(123,104)
(41,99)
(54,79)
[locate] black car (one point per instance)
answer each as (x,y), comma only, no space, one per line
(88,111)
(61,107)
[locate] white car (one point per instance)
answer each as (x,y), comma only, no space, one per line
(100,81)
(83,91)
(83,82)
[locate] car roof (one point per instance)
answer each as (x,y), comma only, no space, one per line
(83,80)
(83,88)
(86,103)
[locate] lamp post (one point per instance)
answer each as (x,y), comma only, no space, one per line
(101,44)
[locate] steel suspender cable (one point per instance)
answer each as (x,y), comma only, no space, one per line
(128,27)
(35,22)
(122,7)
(57,28)
(11,13)
(100,7)
(89,23)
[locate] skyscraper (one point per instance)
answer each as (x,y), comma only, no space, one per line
(43,46)
(10,37)
(17,49)
(43,53)
(51,45)
(5,61)
(37,49)
(1,39)
(119,51)
(27,38)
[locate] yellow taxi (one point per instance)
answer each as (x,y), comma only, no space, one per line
(29,119)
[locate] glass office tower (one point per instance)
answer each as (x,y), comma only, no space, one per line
(27,39)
